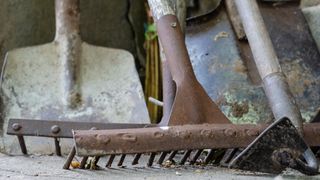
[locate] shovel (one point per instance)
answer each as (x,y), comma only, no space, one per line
(284,134)
(69,80)
(191,104)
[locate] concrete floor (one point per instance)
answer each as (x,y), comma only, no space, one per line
(50,167)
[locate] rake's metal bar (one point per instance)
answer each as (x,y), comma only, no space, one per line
(69,158)
(44,128)
(185,137)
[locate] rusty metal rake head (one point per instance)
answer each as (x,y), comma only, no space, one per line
(193,139)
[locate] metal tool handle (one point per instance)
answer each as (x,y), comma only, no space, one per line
(275,85)
(172,40)
(69,47)
(67,18)
(168,87)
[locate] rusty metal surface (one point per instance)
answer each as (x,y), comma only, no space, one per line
(225,68)
(198,107)
(297,53)
(278,147)
(235,19)
(60,129)
(220,69)
(275,85)
(170,138)
(316,117)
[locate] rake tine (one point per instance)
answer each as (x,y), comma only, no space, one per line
(172,154)
(196,156)
(57,146)
(150,162)
(136,159)
(110,160)
(83,162)
(162,157)
(228,156)
(70,158)
(97,158)
(22,144)
(123,156)
(209,156)
(185,157)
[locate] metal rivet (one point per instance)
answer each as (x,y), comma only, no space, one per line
(55,129)
(129,137)
(174,24)
(16,126)
(103,139)
(230,132)
(158,134)
(205,132)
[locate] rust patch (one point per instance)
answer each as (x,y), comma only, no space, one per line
(239,67)
(239,109)
(220,35)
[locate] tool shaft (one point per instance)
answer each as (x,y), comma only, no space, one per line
(275,85)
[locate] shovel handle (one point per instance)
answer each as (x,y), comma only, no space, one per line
(172,40)
(275,84)
(69,48)
(67,18)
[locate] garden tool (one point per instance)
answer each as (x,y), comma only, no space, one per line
(168,138)
(68,80)
(198,108)
(281,139)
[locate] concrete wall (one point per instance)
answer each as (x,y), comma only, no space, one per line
(103,22)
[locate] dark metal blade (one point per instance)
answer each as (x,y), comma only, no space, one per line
(264,152)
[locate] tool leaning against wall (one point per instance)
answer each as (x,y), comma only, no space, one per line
(68,80)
